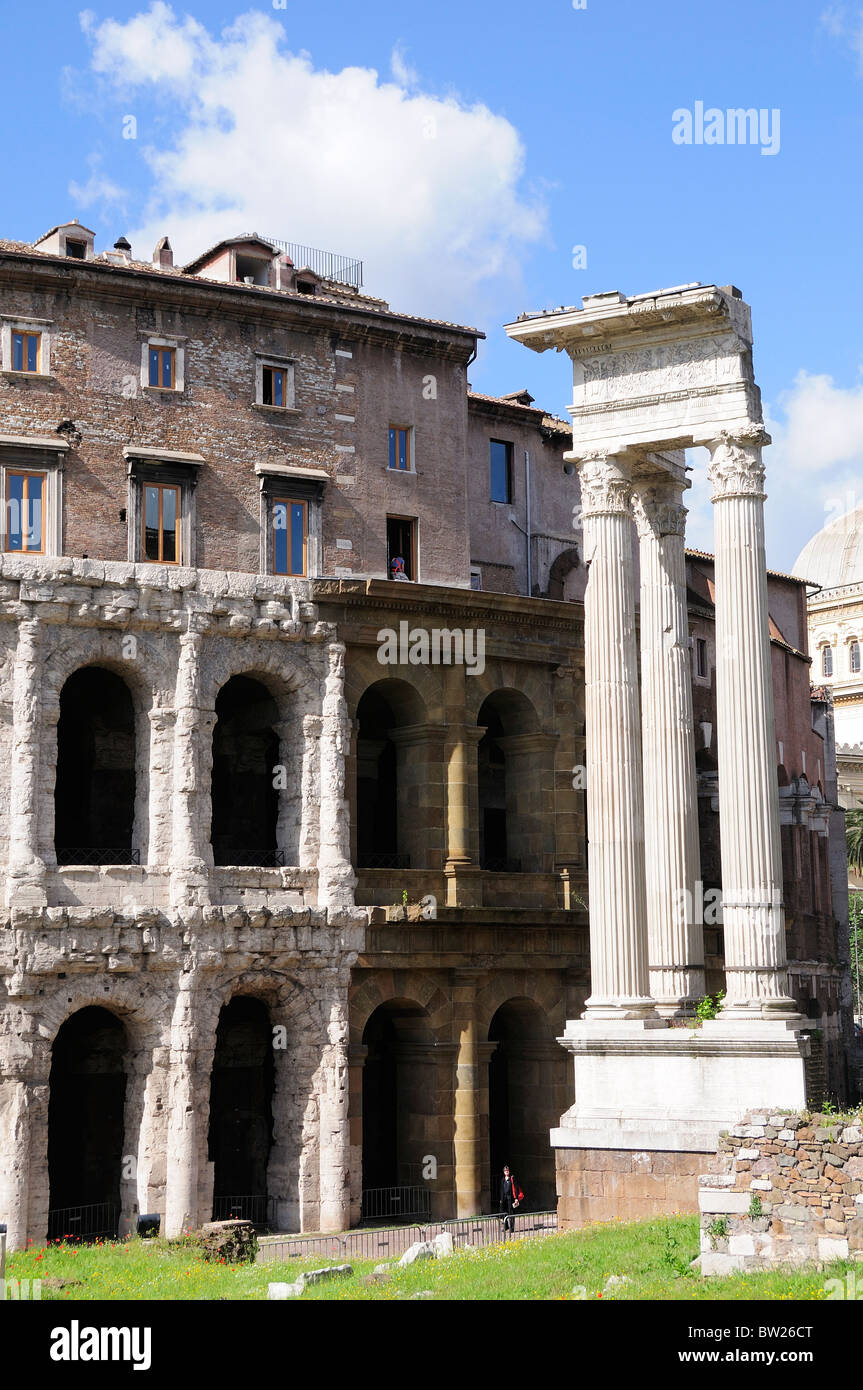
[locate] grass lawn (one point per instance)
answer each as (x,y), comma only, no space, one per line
(654,1255)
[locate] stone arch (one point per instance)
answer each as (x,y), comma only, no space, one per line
(565,563)
(87,1124)
(400,1098)
(528,1077)
(145,674)
(295,692)
(295,1019)
(514,821)
(398,767)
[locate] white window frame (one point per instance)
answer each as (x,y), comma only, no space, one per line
(281,364)
(49,461)
(10,325)
(177,344)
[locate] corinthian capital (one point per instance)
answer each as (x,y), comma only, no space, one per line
(659,510)
(606,486)
(735,468)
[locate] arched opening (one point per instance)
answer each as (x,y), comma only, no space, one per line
(526,1097)
(399,1097)
(94,792)
(241,1111)
(246,775)
(87,1093)
(391,833)
(564,583)
(509,777)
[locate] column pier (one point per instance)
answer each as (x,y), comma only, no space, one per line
(466,1100)
(615,802)
(751,855)
(25,884)
(336,877)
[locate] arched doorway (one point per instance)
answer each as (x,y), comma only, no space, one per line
(94,792)
(392,779)
(246,772)
(400,1095)
(241,1111)
(526,1097)
(509,777)
(87,1094)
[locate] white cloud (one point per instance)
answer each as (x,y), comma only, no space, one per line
(426,190)
(814,468)
(99,189)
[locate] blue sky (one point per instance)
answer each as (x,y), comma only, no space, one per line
(463,150)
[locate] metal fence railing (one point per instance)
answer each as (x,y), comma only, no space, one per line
(261,1211)
(396,1204)
(93,1221)
(89,857)
(386,1243)
(343,269)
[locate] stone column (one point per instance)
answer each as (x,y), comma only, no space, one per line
(334,1138)
(25,884)
(184,1101)
(466,1102)
(192,852)
(753,917)
(615,810)
(463,885)
(336,877)
(17,1106)
(675,939)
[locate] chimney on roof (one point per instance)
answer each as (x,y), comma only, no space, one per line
(123,247)
(163,256)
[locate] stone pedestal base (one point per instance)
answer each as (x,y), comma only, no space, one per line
(651,1102)
(463,885)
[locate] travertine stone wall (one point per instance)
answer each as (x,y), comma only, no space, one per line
(166,975)
(791,1192)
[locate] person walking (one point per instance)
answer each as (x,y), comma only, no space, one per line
(510,1197)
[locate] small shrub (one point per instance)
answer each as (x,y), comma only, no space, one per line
(756,1207)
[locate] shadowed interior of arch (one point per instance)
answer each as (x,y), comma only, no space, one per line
(241,1110)
(525,1089)
(508,799)
(94,794)
(387,833)
(399,1106)
(245,796)
(87,1091)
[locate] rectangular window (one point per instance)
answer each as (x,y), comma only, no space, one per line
(161,517)
(25,352)
(290,536)
(162,367)
(25,512)
(401,547)
(400,449)
(701,656)
(76,249)
(275,384)
(500,460)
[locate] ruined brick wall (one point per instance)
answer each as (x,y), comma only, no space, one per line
(791,1192)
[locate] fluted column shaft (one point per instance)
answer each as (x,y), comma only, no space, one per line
(615,808)
(675,940)
(753,918)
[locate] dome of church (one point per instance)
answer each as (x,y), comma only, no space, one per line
(834,556)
